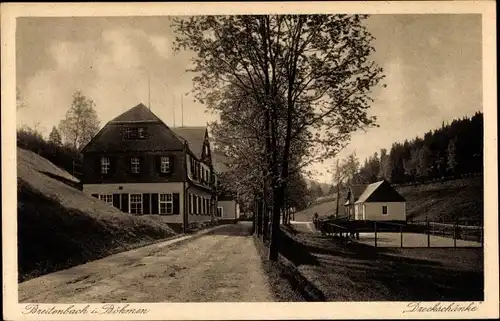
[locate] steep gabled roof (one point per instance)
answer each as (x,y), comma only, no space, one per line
(354,193)
(110,137)
(194,136)
(139,113)
(380,192)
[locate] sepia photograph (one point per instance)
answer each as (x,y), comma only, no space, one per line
(172,155)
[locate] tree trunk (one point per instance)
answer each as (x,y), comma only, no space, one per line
(254,222)
(338,198)
(275,232)
(258,209)
(265,234)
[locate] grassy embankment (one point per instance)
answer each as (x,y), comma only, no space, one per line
(357,272)
(59,226)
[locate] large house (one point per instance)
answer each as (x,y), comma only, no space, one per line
(227,204)
(375,202)
(141,166)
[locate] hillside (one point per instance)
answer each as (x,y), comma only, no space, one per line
(325,187)
(461,198)
(59,226)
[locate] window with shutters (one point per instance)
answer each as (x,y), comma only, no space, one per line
(166,204)
(135,165)
(108,198)
(164,164)
(105,165)
(136,203)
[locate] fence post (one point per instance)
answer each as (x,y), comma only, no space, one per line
(455,234)
(375,226)
(481,234)
(401,230)
(428,232)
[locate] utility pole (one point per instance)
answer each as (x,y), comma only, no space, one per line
(182,110)
(149,90)
(337,175)
(173,107)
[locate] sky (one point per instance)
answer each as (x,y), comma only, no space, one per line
(432,64)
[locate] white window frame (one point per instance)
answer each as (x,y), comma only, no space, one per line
(106,198)
(164,164)
(140,132)
(135,202)
(105,165)
(128,132)
(169,199)
(221,211)
(386,210)
(135,167)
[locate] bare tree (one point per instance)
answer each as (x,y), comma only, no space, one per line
(81,122)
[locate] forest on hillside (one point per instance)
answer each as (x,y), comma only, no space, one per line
(454,150)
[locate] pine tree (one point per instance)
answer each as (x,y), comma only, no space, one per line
(55,137)
(452,156)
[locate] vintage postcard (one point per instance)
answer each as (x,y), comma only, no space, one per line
(249,160)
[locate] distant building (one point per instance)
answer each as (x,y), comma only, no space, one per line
(141,166)
(375,202)
(227,204)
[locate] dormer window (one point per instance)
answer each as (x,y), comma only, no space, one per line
(135,132)
(165,164)
(141,132)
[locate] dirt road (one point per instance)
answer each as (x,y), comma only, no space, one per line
(218,267)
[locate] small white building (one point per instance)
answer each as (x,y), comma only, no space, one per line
(375,202)
(227,207)
(227,203)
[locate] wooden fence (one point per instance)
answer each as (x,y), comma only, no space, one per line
(345,229)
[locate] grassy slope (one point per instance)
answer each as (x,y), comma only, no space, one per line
(357,272)
(461,198)
(59,226)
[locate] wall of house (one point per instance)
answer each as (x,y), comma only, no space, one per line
(120,170)
(358,212)
(230,209)
(396,211)
(201,192)
(142,188)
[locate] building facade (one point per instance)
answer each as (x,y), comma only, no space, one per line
(141,166)
(375,202)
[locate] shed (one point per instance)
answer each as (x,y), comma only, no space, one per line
(375,202)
